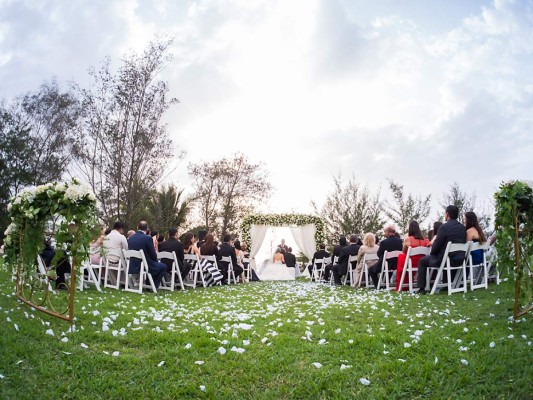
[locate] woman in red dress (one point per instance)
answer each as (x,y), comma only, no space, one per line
(413,238)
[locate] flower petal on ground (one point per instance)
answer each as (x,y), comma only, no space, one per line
(318,365)
(364,381)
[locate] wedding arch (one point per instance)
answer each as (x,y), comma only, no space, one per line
(75,207)
(307,230)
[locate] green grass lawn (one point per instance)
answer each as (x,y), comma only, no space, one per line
(267,340)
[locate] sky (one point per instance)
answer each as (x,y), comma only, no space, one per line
(425,93)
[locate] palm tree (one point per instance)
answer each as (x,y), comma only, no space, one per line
(168,208)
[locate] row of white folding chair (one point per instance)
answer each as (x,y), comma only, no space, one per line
(175,271)
(386,276)
(408,266)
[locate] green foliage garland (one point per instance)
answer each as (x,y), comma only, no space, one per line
(281,220)
(514,240)
(31,209)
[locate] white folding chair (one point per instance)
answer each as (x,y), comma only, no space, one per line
(350,271)
(247,269)
(408,268)
(231,272)
(42,273)
(317,272)
(212,259)
(195,272)
(175,271)
(386,276)
(478,273)
(493,273)
(367,259)
(131,284)
(113,268)
(458,284)
(91,277)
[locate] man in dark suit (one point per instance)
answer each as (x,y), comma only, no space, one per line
(140,240)
(290,259)
(336,253)
(451,231)
(341,268)
(390,243)
(226,249)
(173,245)
(320,254)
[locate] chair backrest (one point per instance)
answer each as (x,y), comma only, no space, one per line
(391,254)
(112,253)
(417,251)
(352,259)
(226,259)
(167,255)
(370,257)
(128,254)
(211,258)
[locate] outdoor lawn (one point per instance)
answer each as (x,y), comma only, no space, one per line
(268,340)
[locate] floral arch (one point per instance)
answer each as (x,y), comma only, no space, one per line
(310,234)
(75,206)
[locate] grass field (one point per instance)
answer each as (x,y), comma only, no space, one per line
(267,340)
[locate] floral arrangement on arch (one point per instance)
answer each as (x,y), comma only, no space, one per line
(29,211)
(282,220)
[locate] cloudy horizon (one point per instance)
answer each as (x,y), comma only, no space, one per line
(423,93)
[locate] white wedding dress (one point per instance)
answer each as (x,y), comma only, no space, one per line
(275,271)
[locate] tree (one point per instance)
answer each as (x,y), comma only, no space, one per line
(406,208)
(350,209)
(168,209)
(228,189)
(124,143)
(460,199)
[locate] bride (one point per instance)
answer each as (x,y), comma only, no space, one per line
(275,270)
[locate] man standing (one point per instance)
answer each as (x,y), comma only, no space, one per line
(341,268)
(227,250)
(390,243)
(451,231)
(173,245)
(142,241)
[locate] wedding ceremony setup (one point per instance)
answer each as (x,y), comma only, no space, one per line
(306,199)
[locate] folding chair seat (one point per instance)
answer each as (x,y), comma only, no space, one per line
(231,272)
(367,259)
(114,269)
(386,277)
(351,270)
(175,271)
(132,284)
(91,274)
(195,272)
(453,284)
(408,268)
(478,272)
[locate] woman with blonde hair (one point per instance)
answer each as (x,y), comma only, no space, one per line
(369,247)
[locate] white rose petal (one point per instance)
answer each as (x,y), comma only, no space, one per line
(161,364)
(350,341)
(19,362)
(83,345)
(245,342)
(322,341)
(188,346)
(401,360)
(364,381)
(65,339)
(464,362)
(492,344)
(318,365)
(237,349)
(115,354)
(202,388)
(50,332)
(436,360)
(2,376)
(199,362)
(511,336)
(344,366)
(17,328)
(338,330)
(222,350)
(407,345)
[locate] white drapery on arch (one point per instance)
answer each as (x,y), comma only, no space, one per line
(304,236)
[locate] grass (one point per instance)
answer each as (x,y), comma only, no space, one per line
(152,346)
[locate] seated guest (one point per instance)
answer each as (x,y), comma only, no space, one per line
(390,243)
(189,244)
(155,237)
(341,268)
(451,231)
(173,245)
(140,240)
(116,240)
(436,226)
(413,238)
(290,259)
(474,233)
(208,248)
(336,253)
(227,250)
(369,247)
(319,255)
(62,266)
(95,248)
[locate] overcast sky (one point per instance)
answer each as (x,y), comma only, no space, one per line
(422,92)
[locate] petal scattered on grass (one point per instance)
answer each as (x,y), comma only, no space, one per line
(50,332)
(344,366)
(202,388)
(492,344)
(436,360)
(188,346)
(317,364)
(115,353)
(161,364)
(407,345)
(464,362)
(65,339)
(199,362)
(364,381)
(222,350)
(83,345)
(2,376)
